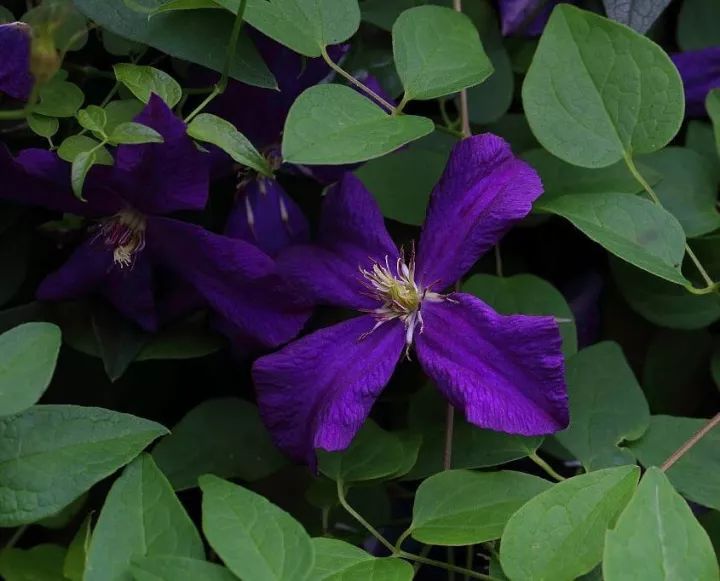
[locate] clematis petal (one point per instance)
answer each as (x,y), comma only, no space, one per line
(524,17)
(264,215)
(90,270)
(160,178)
(700,72)
(484,190)
(317,391)
(237,280)
(352,236)
(505,372)
(15,44)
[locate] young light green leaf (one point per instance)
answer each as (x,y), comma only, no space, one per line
(141,517)
(134,133)
(81,165)
(143,81)
(254,538)
(93,118)
(164,568)
(630,227)
(460,507)
(120,111)
(224,437)
(607,407)
(76,557)
(597,91)
(697,474)
(41,563)
(43,126)
(72,447)
(334,124)
(213,129)
(58,98)
(712,105)
(437,52)
(658,537)
(175,5)
(560,533)
(74,145)
(28,354)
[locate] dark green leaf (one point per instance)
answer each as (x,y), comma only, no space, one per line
(696,24)
(712,104)
(173,5)
(333,557)
(143,81)
(185,341)
(165,568)
(384,13)
(134,133)
(41,563)
(119,46)
(119,340)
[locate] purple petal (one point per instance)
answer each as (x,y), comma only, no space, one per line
(264,215)
(525,17)
(37,177)
(160,178)
(15,77)
(352,236)
(236,279)
(317,391)
(700,72)
(505,372)
(484,190)
(91,270)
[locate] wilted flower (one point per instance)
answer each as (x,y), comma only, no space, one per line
(15,48)
(700,72)
(504,372)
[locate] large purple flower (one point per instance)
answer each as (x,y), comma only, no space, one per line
(133,240)
(15,47)
(504,372)
(524,17)
(700,72)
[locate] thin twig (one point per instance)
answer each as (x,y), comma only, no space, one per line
(694,439)
(549,470)
(449,431)
(464,109)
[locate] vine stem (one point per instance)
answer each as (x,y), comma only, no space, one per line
(712,286)
(546,467)
(464,109)
(347,76)
(358,517)
(694,439)
(449,429)
(16,537)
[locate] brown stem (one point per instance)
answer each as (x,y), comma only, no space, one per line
(464,110)
(449,429)
(694,439)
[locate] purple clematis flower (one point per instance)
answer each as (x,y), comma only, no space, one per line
(504,372)
(15,48)
(700,72)
(133,242)
(524,17)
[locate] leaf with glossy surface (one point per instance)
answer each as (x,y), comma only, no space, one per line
(637,14)
(141,517)
(164,568)
(28,355)
(607,407)
(334,124)
(143,81)
(697,474)
(254,538)
(560,533)
(597,91)
(630,227)
(224,437)
(437,52)
(71,447)
(460,507)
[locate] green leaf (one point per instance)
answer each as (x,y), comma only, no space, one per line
(43,126)
(120,111)
(254,538)
(134,133)
(184,341)
(657,537)
(81,165)
(164,568)
(213,129)
(384,13)
(401,183)
(66,515)
(174,5)
(28,354)
(637,14)
(334,124)
(334,557)
(560,533)
(712,104)
(374,453)
(119,46)
(715,366)
(143,81)
(696,24)
(58,98)
(437,52)
(687,188)
(597,91)
(388,569)
(41,563)
(630,227)
(74,145)
(305,26)
(224,437)
(76,557)
(6,16)
(664,303)
(697,474)
(526,294)
(141,517)
(199,37)
(72,448)
(460,507)
(607,407)
(93,118)
(119,341)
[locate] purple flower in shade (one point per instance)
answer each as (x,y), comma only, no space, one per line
(504,372)
(133,244)
(524,17)
(15,47)
(700,72)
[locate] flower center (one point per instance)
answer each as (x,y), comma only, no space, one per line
(125,233)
